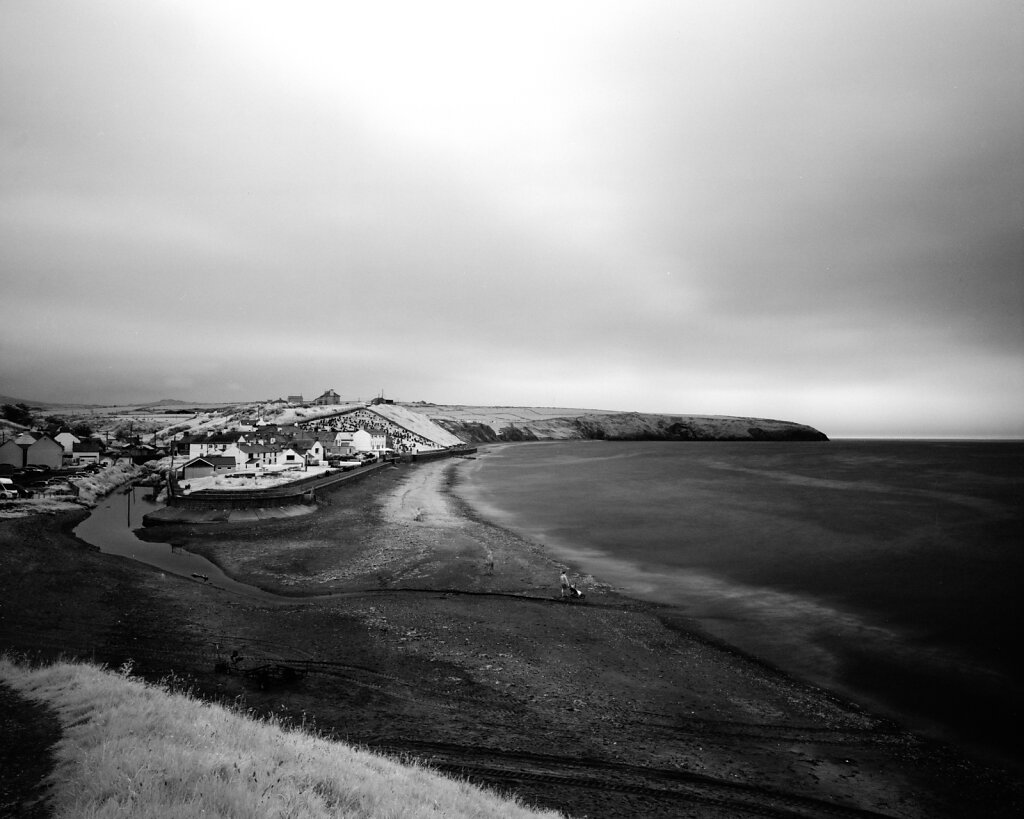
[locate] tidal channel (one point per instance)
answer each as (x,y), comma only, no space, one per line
(111,528)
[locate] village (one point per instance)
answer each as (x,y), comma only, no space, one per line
(280,442)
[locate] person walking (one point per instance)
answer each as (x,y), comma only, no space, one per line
(564,580)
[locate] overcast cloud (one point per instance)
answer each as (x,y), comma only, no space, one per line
(802,210)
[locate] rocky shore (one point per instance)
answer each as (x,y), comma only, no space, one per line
(425,631)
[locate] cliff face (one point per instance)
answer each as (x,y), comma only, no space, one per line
(479,425)
(644,427)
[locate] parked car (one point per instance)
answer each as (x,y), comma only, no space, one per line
(8,489)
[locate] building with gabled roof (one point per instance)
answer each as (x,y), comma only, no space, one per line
(68,440)
(205,466)
(12,454)
(252,456)
(329,397)
(87,451)
(32,449)
(213,444)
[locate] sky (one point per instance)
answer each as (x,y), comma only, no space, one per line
(807,210)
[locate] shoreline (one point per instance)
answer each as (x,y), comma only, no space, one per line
(449,644)
(811,637)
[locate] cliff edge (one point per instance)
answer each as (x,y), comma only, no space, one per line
(480,425)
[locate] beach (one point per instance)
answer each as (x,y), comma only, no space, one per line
(426,631)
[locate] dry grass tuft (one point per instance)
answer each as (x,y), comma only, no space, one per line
(134,749)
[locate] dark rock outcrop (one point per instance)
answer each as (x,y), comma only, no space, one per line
(472,432)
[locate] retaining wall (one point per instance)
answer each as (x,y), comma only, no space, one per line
(304,490)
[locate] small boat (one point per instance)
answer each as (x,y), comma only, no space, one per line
(198,576)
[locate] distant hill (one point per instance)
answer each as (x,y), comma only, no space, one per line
(10,399)
(491,424)
(44,405)
(168,402)
(48,405)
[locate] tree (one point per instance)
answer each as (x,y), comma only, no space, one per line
(82,429)
(19,414)
(125,432)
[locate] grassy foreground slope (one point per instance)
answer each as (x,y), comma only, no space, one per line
(134,749)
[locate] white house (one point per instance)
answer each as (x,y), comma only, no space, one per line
(316,453)
(343,444)
(211,445)
(252,456)
(289,456)
(370,440)
(68,440)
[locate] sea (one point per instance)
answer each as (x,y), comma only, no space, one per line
(888,571)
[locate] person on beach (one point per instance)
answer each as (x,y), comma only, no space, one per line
(564,580)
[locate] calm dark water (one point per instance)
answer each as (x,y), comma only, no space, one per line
(111,528)
(890,571)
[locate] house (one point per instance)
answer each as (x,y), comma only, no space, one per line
(252,456)
(67,440)
(44,451)
(333,454)
(87,452)
(295,399)
(141,453)
(205,466)
(341,444)
(270,434)
(213,444)
(370,440)
(237,454)
(32,449)
(290,456)
(12,454)
(312,450)
(329,397)
(316,453)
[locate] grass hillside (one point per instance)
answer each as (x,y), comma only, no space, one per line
(490,424)
(134,749)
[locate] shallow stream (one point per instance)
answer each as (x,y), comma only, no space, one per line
(111,528)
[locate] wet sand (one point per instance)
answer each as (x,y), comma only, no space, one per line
(445,640)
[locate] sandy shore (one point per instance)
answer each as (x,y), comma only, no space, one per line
(443,638)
